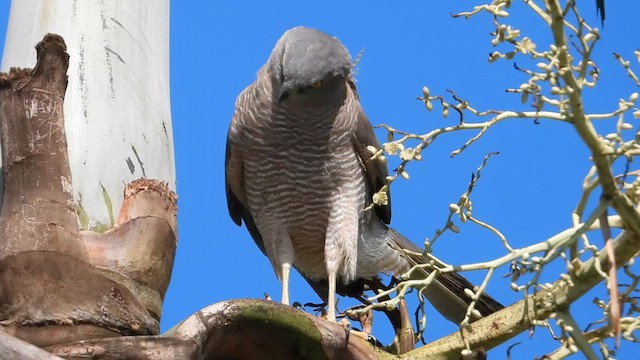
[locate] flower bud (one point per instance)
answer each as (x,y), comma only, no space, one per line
(428,105)
(469,293)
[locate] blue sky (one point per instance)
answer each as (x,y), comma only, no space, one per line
(528,191)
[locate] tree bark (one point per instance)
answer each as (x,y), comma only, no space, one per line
(59,284)
(117,108)
(235,329)
(13,348)
(75,150)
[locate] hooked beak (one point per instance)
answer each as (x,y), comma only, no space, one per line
(284,95)
(287,89)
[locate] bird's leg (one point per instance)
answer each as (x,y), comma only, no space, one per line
(286,269)
(279,249)
(331,311)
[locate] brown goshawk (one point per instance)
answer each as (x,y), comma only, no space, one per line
(299,175)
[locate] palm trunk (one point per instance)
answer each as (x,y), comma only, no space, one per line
(88,217)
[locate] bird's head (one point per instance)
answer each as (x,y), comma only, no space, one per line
(308,66)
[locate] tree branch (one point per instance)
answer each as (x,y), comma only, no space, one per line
(499,327)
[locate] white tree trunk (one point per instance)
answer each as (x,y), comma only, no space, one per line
(117,105)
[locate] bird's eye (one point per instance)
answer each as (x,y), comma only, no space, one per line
(317,84)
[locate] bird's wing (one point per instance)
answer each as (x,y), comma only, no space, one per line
(234,177)
(375,170)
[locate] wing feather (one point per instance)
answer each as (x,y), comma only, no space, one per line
(234,178)
(376,171)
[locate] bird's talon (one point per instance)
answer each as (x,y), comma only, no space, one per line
(372,339)
(297,305)
(319,309)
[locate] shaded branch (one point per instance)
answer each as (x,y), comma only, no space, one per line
(239,329)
